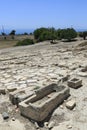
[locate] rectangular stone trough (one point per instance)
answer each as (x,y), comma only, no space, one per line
(43,102)
(75,83)
(20,95)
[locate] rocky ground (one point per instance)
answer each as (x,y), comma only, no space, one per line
(37,66)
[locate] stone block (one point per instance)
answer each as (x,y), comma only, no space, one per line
(75,83)
(11,89)
(71,104)
(39,106)
(20,95)
(5,115)
(51,124)
(2,91)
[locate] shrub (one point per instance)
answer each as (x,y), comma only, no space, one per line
(84,35)
(68,34)
(80,34)
(43,34)
(25,42)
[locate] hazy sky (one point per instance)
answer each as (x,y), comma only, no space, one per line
(28,14)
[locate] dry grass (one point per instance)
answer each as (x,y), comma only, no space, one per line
(8,42)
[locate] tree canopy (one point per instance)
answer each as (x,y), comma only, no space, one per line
(42,34)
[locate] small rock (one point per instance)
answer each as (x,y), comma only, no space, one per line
(71,104)
(51,124)
(5,115)
(2,91)
(13,119)
(11,89)
(49,96)
(69,127)
(46,124)
(61,106)
(36,125)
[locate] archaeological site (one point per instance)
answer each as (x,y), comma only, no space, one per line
(44,86)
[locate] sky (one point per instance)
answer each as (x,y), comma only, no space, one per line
(32,14)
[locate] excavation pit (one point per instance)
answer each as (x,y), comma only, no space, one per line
(43,102)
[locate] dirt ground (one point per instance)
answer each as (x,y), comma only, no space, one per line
(36,66)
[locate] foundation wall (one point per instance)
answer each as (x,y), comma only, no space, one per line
(40,112)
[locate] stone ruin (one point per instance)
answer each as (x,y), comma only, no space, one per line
(75,83)
(38,106)
(20,95)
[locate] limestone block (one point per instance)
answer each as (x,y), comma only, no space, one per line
(51,124)
(71,104)
(11,89)
(2,91)
(20,95)
(5,115)
(40,105)
(75,83)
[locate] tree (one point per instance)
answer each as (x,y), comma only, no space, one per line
(59,34)
(68,34)
(12,33)
(39,32)
(43,34)
(25,33)
(4,35)
(84,35)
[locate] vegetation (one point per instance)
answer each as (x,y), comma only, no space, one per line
(12,33)
(83,34)
(40,34)
(68,34)
(43,34)
(25,42)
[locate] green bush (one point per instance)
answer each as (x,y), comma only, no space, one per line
(25,42)
(83,34)
(68,34)
(80,34)
(43,34)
